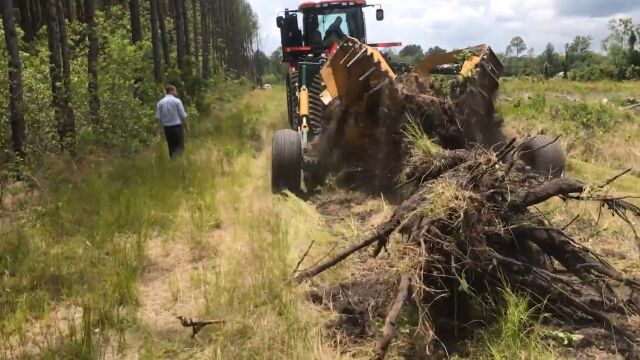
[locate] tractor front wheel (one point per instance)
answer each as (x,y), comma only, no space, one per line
(286,162)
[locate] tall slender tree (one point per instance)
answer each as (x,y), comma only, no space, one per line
(180,34)
(155,40)
(36,10)
(26,20)
(196,50)
(70,9)
(68,124)
(206,41)
(214,11)
(15,78)
(136,25)
(55,69)
(162,22)
(185,25)
(80,10)
(93,55)
(136,38)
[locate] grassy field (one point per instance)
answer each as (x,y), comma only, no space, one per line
(602,139)
(98,258)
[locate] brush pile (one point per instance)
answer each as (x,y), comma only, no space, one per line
(469,223)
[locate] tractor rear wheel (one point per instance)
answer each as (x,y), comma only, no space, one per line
(286,162)
(544,156)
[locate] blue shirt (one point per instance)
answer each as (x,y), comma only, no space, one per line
(170,111)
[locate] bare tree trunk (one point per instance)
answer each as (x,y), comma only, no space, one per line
(224,33)
(196,45)
(162,20)
(185,25)
(180,36)
(206,42)
(55,68)
(69,120)
(70,10)
(155,41)
(35,9)
(26,21)
(92,61)
(80,10)
(136,26)
(15,79)
(214,30)
(136,38)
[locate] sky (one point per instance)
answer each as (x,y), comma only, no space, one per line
(461,23)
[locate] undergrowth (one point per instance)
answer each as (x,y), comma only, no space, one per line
(515,334)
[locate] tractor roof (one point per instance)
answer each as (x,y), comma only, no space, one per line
(325,3)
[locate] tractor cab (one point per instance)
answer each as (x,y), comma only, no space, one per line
(317,25)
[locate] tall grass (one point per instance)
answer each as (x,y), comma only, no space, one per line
(515,334)
(72,261)
(71,258)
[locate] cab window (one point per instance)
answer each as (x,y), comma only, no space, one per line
(318,25)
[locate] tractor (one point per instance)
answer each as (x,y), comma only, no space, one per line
(330,58)
(306,51)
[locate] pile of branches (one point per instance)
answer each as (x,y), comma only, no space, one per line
(471,217)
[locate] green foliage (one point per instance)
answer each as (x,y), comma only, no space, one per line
(276,68)
(411,54)
(126,123)
(517,46)
(573,116)
(516,334)
(579,62)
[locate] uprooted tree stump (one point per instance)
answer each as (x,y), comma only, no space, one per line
(470,216)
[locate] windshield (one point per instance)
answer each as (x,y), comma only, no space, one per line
(326,26)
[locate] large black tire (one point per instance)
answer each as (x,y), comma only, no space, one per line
(286,162)
(544,156)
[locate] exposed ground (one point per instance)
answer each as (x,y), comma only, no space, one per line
(223,248)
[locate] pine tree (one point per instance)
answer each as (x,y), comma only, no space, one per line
(155,41)
(92,60)
(15,78)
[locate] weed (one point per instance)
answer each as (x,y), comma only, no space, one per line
(516,334)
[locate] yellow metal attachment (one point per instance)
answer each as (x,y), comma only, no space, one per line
(304,101)
(354,71)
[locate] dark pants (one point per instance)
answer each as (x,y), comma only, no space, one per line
(175,140)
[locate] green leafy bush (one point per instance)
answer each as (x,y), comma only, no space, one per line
(126,121)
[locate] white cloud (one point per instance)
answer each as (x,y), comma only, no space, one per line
(459,23)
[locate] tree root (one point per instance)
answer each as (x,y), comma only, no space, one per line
(469,218)
(389,329)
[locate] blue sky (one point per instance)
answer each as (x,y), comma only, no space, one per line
(460,23)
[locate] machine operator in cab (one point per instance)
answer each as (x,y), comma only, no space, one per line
(334,33)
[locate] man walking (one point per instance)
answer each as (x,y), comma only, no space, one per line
(171,115)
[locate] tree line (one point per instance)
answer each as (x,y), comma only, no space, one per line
(620,59)
(106,60)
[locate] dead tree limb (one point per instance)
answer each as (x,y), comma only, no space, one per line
(545,192)
(389,329)
(196,326)
(304,256)
(315,271)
